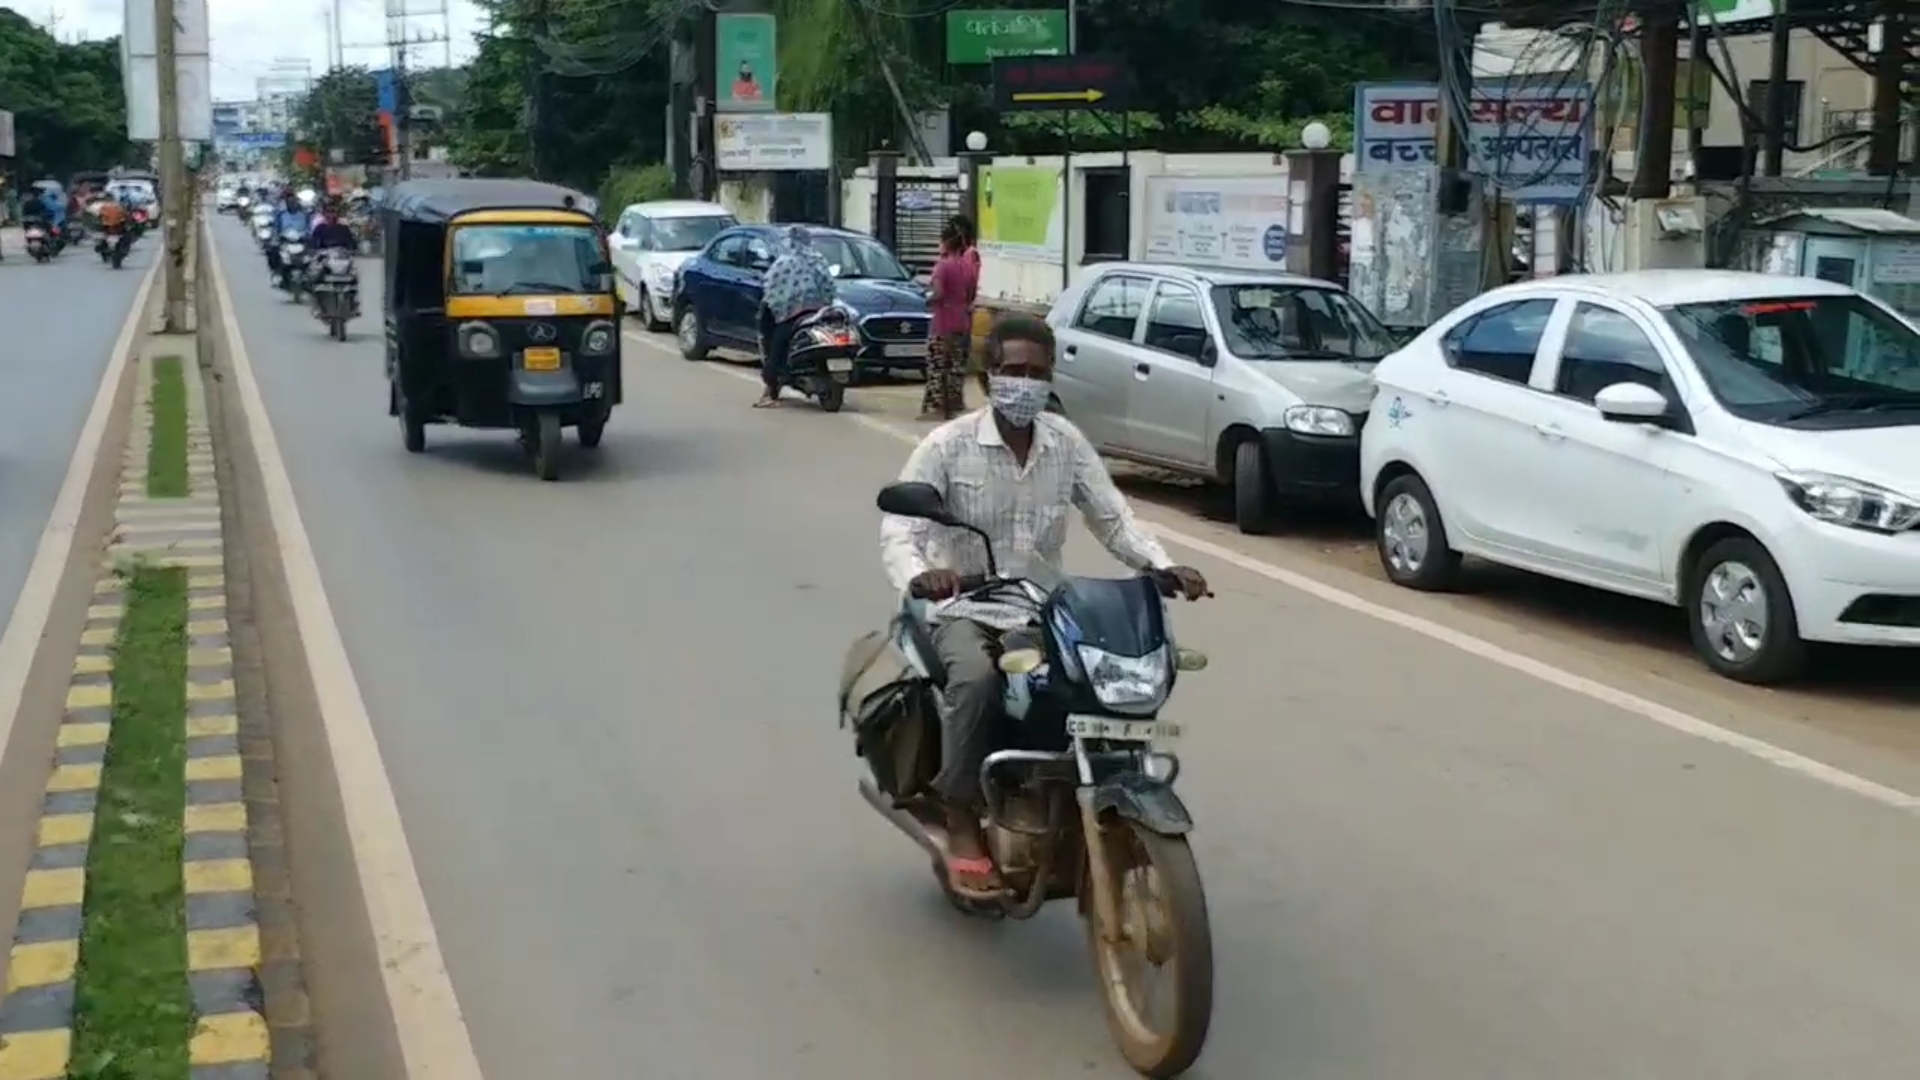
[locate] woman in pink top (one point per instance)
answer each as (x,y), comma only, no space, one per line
(956,278)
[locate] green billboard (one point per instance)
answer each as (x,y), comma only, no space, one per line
(746,60)
(981,37)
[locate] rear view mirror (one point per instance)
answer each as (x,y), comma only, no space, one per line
(472,267)
(915,500)
(1631,403)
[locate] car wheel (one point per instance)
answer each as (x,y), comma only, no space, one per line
(1741,614)
(1254,508)
(645,307)
(1412,539)
(692,334)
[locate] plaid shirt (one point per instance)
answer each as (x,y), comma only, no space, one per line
(1022,509)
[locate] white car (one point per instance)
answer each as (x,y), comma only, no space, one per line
(1741,445)
(649,245)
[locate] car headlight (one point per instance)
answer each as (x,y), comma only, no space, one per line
(1318,420)
(660,278)
(478,339)
(1855,504)
(598,339)
(1126,683)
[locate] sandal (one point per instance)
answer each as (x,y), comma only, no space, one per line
(984,883)
(767,403)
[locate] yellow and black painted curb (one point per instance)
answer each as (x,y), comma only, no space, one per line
(230,1040)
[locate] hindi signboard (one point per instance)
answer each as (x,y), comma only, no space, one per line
(1531,136)
(774,142)
(981,37)
(1060,83)
(1237,222)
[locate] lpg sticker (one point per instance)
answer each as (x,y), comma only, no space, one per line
(541,307)
(1398,412)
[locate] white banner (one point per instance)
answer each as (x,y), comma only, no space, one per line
(139,52)
(773,142)
(6,134)
(1237,222)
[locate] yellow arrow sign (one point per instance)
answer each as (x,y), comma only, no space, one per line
(1086,96)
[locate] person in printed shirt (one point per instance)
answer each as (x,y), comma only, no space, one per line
(1010,470)
(956,279)
(798,284)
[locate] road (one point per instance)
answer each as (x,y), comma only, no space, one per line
(59,323)
(606,705)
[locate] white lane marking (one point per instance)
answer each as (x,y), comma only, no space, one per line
(1665,716)
(434,1040)
(27,624)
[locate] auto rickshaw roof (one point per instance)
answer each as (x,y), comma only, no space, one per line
(440,201)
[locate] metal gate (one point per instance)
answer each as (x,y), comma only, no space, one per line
(923,204)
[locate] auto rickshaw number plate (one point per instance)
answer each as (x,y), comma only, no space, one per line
(541,359)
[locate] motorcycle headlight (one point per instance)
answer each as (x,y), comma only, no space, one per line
(1127,683)
(598,339)
(1854,504)
(1318,420)
(477,339)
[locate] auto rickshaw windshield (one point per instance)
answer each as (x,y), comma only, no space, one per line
(504,260)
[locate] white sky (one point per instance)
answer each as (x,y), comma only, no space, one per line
(249,35)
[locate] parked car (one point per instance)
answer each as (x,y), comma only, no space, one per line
(649,244)
(1740,445)
(718,302)
(1255,381)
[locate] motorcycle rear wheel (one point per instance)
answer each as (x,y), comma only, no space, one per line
(832,395)
(1167,927)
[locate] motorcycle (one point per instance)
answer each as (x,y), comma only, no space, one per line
(1081,804)
(335,289)
(820,357)
(292,273)
(41,245)
(114,244)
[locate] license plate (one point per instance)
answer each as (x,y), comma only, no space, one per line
(907,351)
(1099,727)
(839,365)
(541,359)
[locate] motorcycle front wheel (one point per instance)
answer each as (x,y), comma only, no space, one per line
(1165,938)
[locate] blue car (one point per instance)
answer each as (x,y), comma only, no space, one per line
(716,302)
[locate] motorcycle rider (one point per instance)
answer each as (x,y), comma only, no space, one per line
(1010,469)
(290,216)
(797,284)
(113,221)
(329,231)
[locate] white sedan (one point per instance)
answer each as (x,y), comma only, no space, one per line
(649,244)
(1740,445)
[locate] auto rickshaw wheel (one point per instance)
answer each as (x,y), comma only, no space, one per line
(413,426)
(543,440)
(590,430)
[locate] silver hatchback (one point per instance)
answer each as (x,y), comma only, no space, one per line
(1258,382)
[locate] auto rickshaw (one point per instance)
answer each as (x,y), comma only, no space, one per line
(500,313)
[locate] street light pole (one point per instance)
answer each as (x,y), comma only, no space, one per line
(175,198)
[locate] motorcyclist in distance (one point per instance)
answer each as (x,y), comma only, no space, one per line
(331,232)
(290,217)
(1011,470)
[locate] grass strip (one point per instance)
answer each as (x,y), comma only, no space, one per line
(167,442)
(133,1011)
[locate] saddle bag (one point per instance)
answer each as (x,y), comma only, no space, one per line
(893,715)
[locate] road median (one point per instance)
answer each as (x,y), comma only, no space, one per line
(138,952)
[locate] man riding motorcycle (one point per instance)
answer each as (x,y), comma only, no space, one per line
(332,234)
(291,217)
(113,222)
(1010,469)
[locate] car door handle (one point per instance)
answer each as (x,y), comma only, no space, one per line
(1072,351)
(1439,399)
(1550,432)
(1142,370)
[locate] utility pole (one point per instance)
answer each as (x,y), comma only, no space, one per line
(176,199)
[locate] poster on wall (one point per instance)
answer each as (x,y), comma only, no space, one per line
(1237,222)
(1019,212)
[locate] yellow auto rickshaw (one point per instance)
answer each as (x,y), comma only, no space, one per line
(501,313)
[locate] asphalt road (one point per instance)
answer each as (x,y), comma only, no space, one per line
(58,323)
(607,707)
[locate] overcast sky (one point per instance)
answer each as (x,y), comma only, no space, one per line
(249,35)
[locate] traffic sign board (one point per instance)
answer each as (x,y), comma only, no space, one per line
(1055,83)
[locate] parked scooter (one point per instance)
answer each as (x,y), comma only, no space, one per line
(820,357)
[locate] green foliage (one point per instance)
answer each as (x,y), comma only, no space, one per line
(69,111)
(339,113)
(626,185)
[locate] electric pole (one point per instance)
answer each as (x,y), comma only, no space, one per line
(175,199)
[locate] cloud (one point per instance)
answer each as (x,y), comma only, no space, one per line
(252,38)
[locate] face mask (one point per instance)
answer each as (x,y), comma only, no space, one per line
(1019,401)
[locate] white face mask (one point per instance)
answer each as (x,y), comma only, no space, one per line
(1018,400)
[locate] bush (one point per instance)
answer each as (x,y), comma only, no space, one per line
(629,184)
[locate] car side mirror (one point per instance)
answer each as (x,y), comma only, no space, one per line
(1209,352)
(1632,403)
(915,500)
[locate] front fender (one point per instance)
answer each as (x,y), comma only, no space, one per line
(1140,798)
(538,389)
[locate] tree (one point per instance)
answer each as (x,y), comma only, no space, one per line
(340,112)
(69,111)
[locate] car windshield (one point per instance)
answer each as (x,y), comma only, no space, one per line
(685,233)
(1298,322)
(1786,360)
(504,260)
(859,257)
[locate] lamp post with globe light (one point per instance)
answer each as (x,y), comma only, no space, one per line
(970,163)
(1313,194)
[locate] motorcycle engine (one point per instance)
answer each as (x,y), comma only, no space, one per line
(1012,850)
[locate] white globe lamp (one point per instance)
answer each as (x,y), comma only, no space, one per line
(976,141)
(1316,136)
